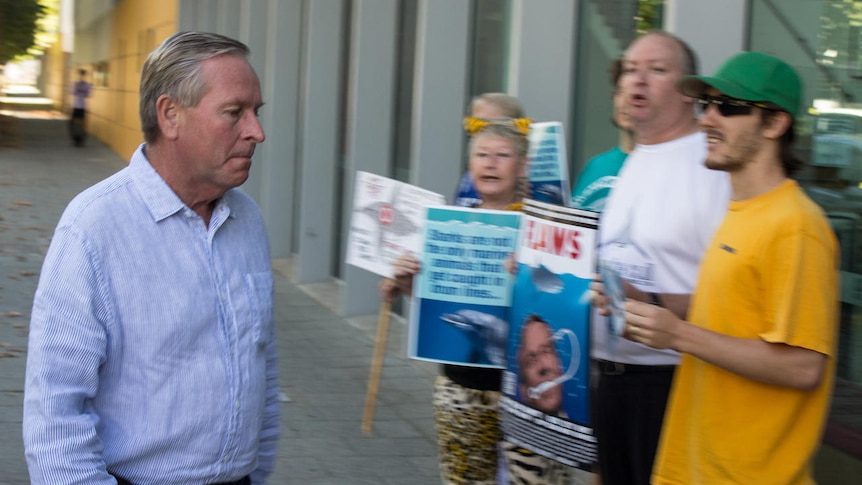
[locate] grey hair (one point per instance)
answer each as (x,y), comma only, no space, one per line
(174,69)
(507,131)
(507,104)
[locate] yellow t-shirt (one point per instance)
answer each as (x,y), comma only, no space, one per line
(770,273)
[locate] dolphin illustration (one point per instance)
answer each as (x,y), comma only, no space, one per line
(488,333)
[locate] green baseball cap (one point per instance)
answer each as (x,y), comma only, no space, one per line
(750,76)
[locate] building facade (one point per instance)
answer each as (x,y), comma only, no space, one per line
(381,86)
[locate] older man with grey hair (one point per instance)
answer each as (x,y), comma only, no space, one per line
(152,357)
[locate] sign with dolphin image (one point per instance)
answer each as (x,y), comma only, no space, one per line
(462,295)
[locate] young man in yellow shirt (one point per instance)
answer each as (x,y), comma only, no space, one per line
(751,394)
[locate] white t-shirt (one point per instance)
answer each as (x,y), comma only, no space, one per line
(657,223)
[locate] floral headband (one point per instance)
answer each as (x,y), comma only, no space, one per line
(475,125)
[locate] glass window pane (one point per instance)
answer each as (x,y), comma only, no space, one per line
(490,47)
(821,39)
(605,29)
(404,96)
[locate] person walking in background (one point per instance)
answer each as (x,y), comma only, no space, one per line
(484,107)
(466,398)
(751,395)
(77,123)
(657,222)
(594,183)
(152,357)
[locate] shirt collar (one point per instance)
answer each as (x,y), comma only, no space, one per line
(160,199)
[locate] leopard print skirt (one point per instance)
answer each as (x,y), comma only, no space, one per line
(468,436)
(468,431)
(527,468)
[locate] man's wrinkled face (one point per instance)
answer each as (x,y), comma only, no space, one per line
(217,138)
(651,67)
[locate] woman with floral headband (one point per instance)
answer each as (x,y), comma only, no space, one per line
(485,107)
(466,398)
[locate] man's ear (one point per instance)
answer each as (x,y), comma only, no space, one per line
(777,124)
(168,113)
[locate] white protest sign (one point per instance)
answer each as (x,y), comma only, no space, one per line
(387,221)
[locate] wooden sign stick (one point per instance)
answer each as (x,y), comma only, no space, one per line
(376,367)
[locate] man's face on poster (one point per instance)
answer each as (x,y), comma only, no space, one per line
(539,362)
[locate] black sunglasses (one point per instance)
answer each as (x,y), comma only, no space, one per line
(728,106)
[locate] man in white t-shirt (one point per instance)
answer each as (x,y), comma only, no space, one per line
(656,225)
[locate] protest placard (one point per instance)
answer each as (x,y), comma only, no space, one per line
(545,405)
(386,222)
(462,296)
(548,166)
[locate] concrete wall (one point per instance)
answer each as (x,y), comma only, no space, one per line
(714,33)
(119,38)
(56,77)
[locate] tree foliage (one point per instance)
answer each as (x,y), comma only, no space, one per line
(18,23)
(649,15)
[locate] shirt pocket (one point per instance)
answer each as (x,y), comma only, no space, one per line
(259,286)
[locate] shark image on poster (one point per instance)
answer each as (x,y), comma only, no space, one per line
(387,221)
(545,280)
(390,221)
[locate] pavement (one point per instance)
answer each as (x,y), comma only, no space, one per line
(324,359)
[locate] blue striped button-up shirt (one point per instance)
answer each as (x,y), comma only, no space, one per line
(152,354)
